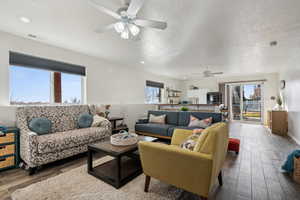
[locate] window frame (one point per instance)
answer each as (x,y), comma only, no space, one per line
(51,89)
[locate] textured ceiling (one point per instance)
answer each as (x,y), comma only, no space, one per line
(232,36)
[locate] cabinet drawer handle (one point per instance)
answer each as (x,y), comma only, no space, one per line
(2,159)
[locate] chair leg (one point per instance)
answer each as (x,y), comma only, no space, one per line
(147,183)
(220,178)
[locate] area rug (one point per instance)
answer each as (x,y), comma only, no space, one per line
(77,184)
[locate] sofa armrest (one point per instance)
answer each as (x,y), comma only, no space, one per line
(183,168)
(142,121)
(180,135)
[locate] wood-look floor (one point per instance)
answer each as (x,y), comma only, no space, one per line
(253,174)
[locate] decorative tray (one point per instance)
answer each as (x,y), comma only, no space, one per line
(124,139)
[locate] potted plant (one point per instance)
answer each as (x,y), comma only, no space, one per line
(184,109)
(278,103)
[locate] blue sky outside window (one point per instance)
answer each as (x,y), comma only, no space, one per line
(33,86)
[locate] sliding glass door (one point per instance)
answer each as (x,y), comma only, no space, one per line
(246,102)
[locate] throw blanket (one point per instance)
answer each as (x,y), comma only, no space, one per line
(289,163)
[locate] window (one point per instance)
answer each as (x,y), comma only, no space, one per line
(153,92)
(41,81)
(71,88)
(29,85)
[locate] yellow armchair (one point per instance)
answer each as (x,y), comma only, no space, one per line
(194,171)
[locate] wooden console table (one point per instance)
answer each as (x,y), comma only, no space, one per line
(278,122)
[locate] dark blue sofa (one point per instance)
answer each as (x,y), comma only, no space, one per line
(174,119)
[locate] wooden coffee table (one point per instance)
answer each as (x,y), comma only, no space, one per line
(123,168)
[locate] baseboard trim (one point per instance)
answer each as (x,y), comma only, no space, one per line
(295,140)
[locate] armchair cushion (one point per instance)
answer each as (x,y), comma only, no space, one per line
(180,135)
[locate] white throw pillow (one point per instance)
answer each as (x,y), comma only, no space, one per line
(159,119)
(97,120)
(195,122)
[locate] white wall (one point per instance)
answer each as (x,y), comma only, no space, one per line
(212,83)
(291,98)
(107,83)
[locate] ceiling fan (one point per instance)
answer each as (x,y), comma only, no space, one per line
(208,73)
(128,25)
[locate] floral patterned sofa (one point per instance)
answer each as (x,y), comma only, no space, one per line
(65,139)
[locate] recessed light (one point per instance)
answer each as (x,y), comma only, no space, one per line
(142,62)
(25,20)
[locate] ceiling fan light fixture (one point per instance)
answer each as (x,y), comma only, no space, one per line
(134,30)
(125,34)
(119,27)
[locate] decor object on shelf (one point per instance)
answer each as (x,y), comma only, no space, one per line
(9,148)
(124,138)
(234,145)
(67,140)
(194,171)
(128,25)
(184,109)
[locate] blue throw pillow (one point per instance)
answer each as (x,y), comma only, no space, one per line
(40,125)
(85,120)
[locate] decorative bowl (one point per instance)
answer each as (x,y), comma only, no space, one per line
(124,139)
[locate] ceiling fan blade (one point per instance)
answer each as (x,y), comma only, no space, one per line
(105,28)
(151,23)
(125,2)
(217,72)
(134,7)
(105,10)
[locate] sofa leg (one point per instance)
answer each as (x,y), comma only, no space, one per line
(220,178)
(31,171)
(147,183)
